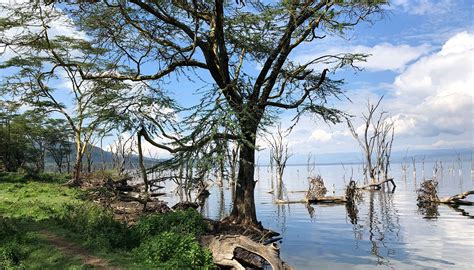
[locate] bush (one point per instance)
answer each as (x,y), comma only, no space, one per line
(97,225)
(181,222)
(170,250)
(11,255)
(7,229)
(23,177)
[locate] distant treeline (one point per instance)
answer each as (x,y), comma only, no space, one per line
(34,142)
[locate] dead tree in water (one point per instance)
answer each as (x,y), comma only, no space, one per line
(413,162)
(428,194)
(376,142)
(317,193)
(280,155)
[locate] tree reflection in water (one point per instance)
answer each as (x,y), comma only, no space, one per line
(428,210)
(382,223)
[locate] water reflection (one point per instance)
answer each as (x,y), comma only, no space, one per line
(428,210)
(382,230)
(383,226)
(460,210)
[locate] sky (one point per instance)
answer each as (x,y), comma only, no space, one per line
(422,61)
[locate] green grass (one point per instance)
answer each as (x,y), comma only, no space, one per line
(31,251)
(30,204)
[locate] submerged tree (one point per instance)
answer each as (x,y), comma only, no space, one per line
(279,155)
(154,41)
(375,142)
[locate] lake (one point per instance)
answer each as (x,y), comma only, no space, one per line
(388,231)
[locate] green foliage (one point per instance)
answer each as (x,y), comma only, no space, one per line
(181,222)
(7,229)
(21,177)
(97,226)
(38,200)
(170,250)
(11,255)
(26,207)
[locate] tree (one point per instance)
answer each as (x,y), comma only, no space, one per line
(26,137)
(16,150)
(58,141)
(279,154)
(376,142)
(218,39)
(40,67)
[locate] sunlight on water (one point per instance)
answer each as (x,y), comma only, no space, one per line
(387,230)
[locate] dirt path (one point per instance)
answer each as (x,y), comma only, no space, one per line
(71,249)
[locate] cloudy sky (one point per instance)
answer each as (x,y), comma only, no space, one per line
(422,57)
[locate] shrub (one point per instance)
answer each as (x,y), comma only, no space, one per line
(97,225)
(170,250)
(23,177)
(181,222)
(11,255)
(7,229)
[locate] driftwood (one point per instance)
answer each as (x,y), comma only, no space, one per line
(134,197)
(458,198)
(379,184)
(316,189)
(428,193)
(227,251)
(185,205)
(316,194)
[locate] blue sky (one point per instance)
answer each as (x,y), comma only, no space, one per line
(422,61)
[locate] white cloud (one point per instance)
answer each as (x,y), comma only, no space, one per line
(387,56)
(422,7)
(434,95)
(384,56)
(321,135)
(431,101)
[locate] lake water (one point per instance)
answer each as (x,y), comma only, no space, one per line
(387,232)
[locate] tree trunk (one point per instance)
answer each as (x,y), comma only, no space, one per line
(243,211)
(141,162)
(76,181)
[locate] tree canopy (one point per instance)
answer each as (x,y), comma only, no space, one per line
(154,42)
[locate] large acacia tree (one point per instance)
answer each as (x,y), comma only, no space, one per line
(223,42)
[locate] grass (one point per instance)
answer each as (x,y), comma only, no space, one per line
(31,204)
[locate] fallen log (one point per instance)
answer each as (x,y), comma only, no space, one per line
(458,199)
(325,199)
(379,184)
(316,194)
(428,194)
(290,202)
(134,197)
(224,247)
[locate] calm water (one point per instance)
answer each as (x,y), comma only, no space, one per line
(387,232)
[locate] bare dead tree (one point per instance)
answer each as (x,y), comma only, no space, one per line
(376,142)
(413,162)
(121,152)
(279,154)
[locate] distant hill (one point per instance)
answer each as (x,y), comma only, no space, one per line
(430,155)
(99,155)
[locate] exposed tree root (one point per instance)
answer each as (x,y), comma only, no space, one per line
(225,251)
